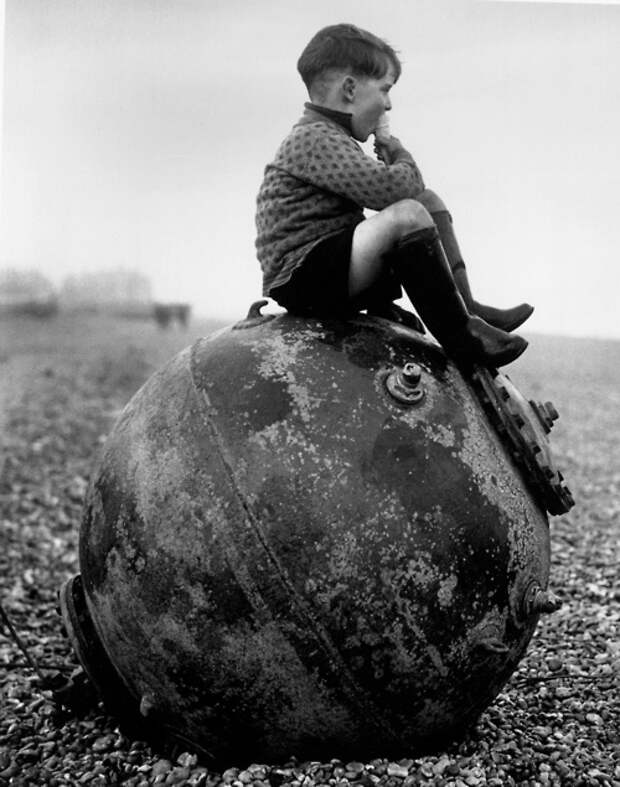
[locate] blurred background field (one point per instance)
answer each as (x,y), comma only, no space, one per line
(64,380)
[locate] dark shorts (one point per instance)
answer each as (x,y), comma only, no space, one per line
(320,286)
(321,283)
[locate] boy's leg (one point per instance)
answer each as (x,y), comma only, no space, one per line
(372,282)
(506,319)
(423,269)
(375,237)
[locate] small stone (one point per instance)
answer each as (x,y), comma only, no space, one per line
(441,765)
(229,775)
(245,777)
(103,744)
(353,770)
(379,767)
(161,767)
(26,755)
(596,773)
(187,760)
(394,769)
(594,718)
(178,775)
(9,772)
(554,663)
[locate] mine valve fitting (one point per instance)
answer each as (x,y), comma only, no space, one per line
(540,602)
(411,374)
(404,384)
(545,602)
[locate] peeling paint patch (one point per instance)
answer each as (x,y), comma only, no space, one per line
(440,433)
(445,594)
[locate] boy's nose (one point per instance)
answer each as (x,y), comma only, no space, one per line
(388,104)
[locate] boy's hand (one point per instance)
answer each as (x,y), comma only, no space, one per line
(387,150)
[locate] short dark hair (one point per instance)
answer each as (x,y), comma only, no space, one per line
(347,46)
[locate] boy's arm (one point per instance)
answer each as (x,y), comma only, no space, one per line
(337,163)
(391,151)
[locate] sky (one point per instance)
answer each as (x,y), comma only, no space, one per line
(135,134)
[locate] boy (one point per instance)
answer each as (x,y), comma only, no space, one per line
(321,256)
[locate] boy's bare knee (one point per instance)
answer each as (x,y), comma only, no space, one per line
(409,215)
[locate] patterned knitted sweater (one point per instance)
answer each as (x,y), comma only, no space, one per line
(319,183)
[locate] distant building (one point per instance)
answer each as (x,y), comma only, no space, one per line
(123,292)
(27,292)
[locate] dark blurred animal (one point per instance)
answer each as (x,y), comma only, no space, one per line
(166,314)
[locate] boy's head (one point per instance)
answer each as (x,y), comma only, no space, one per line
(348,69)
(346,47)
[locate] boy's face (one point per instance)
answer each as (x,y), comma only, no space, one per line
(369,100)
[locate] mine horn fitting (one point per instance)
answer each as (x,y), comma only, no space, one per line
(537,601)
(545,602)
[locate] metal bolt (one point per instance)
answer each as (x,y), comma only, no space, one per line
(545,601)
(537,601)
(546,413)
(411,374)
(551,411)
(404,384)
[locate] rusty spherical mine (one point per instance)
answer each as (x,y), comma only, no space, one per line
(280,556)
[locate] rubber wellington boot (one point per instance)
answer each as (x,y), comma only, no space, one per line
(379,300)
(506,319)
(422,267)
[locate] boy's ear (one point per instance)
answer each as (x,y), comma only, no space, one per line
(348,87)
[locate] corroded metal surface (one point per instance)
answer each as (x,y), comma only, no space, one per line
(278,550)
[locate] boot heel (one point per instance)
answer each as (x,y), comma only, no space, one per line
(491,346)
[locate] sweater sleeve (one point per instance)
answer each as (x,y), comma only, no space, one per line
(335,162)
